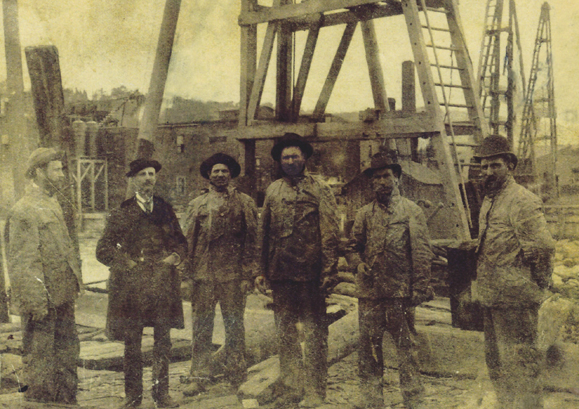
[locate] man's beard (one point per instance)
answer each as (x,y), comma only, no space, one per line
(293,170)
(384,195)
(146,190)
(492,183)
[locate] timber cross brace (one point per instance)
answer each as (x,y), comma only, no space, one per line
(451,120)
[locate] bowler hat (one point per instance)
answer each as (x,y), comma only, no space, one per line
(139,164)
(39,158)
(207,165)
(383,160)
(291,139)
(495,145)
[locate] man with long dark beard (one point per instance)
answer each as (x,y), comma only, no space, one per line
(392,256)
(514,268)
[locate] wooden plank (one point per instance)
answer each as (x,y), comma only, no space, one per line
(284,62)
(334,71)
(268,14)
(261,72)
(305,69)
(374,66)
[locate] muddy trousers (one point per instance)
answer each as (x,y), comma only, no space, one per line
(133,362)
(205,296)
(513,361)
(51,350)
(301,302)
(375,317)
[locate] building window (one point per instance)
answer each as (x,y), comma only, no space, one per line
(575,175)
(180,185)
(180,144)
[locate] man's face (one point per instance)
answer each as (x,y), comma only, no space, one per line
(220,175)
(52,176)
(495,172)
(292,161)
(384,181)
(144,181)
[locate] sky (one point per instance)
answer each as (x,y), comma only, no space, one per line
(105,44)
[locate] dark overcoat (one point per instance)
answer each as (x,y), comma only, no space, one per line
(149,293)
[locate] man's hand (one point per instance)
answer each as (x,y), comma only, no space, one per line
(173,259)
(363,269)
(261,284)
(328,283)
(39,314)
(246,286)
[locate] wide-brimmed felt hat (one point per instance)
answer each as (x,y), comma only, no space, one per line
(291,139)
(383,160)
(207,165)
(495,145)
(41,157)
(139,164)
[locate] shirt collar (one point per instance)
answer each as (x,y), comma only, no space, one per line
(141,199)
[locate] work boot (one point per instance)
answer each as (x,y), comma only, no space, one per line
(312,401)
(166,401)
(130,403)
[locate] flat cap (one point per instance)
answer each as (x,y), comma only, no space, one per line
(139,164)
(41,157)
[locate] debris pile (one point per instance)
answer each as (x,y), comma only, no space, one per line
(566,283)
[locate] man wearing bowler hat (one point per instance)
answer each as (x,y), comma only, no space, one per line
(514,269)
(46,279)
(299,260)
(391,255)
(221,229)
(142,244)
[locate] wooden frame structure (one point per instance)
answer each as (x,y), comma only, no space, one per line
(426,21)
(90,169)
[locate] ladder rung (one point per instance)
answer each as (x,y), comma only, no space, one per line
(449,67)
(435,10)
(438,29)
(440,47)
(438,84)
(498,30)
(456,105)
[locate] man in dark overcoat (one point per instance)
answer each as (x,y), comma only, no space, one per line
(142,244)
(299,260)
(221,229)
(45,277)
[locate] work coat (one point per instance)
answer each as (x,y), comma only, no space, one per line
(299,230)
(514,249)
(43,264)
(393,241)
(149,293)
(222,235)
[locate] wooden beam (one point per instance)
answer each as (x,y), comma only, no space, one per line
(374,66)
(362,13)
(304,70)
(261,72)
(248,62)
(334,71)
(268,14)
(284,70)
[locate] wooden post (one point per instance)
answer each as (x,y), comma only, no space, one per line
(46,86)
(145,138)
(16,124)
(248,62)
(284,70)
(409,101)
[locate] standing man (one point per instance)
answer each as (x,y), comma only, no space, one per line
(142,243)
(222,233)
(392,259)
(514,268)
(46,279)
(299,259)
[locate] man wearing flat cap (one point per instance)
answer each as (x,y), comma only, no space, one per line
(142,244)
(299,261)
(46,279)
(514,269)
(221,229)
(391,255)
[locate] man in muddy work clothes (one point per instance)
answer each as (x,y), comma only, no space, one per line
(45,276)
(299,260)
(514,268)
(142,243)
(391,257)
(222,234)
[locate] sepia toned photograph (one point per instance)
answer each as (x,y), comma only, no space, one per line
(334,204)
